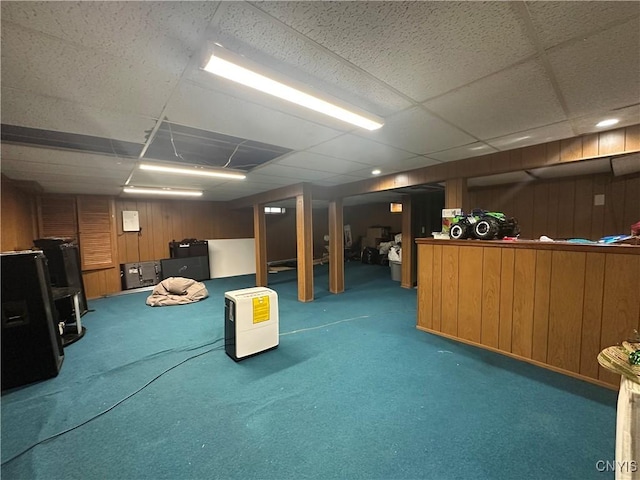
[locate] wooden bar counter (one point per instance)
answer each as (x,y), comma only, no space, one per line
(556,305)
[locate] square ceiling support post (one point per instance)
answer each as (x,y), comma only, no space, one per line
(456,194)
(260,235)
(304,237)
(336,247)
(409,248)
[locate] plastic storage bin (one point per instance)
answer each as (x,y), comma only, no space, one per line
(396,271)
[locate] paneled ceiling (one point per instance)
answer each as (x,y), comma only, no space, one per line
(452,80)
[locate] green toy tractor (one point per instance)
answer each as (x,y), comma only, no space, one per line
(483,225)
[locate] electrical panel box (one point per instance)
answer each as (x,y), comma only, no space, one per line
(251,323)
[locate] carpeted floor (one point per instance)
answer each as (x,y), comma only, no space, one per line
(354,391)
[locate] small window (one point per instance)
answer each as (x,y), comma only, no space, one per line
(395,207)
(274,210)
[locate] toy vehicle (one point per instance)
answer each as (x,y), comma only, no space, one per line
(483,225)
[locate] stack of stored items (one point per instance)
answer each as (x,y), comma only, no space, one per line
(375,236)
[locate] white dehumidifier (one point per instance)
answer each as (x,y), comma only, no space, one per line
(250,322)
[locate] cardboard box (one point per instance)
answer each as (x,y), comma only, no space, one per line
(371,242)
(447,217)
(378,232)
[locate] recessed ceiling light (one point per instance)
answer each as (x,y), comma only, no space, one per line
(376,172)
(608,122)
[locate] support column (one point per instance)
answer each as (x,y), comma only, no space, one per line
(304,236)
(455,194)
(336,247)
(409,248)
(260,235)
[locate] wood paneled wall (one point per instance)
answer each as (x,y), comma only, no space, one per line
(17,216)
(361,217)
(613,142)
(281,229)
(163,221)
(555,306)
(564,208)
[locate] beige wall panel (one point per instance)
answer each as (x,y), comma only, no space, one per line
(506,300)
(540,333)
(437,287)
(450,290)
(566,305)
(18,227)
(621,302)
(491,269)
(592,314)
(470,297)
(612,142)
(523,302)
(425,287)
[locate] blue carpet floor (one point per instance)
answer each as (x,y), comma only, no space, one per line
(354,391)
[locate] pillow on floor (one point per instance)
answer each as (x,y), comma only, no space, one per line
(177,291)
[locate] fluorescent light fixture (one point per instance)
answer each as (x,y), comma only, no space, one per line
(608,122)
(199,171)
(229,66)
(162,191)
(376,171)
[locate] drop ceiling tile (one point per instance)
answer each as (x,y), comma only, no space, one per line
(626,116)
(298,174)
(75,73)
(342,179)
(556,22)
(517,99)
(55,158)
(215,111)
(115,172)
(246,31)
(601,71)
(361,150)
(274,181)
(151,33)
(535,136)
(79,188)
(466,151)
(410,45)
(48,178)
(48,113)
(397,166)
(321,163)
(419,132)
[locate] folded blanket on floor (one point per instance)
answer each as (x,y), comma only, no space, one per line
(177,291)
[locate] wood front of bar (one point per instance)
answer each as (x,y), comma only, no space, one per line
(556,305)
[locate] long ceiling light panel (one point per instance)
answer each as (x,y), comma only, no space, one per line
(202,172)
(162,191)
(224,64)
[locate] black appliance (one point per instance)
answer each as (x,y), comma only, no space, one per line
(31,342)
(189,247)
(140,274)
(63,257)
(196,268)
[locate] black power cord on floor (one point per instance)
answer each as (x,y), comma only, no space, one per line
(119,402)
